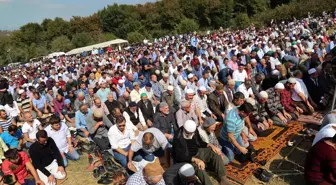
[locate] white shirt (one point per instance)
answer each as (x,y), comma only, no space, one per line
(326,131)
(118,139)
(141,118)
(299,88)
(149,94)
(31,130)
(135,96)
(203,105)
(246,92)
(60,136)
(12,111)
(102,80)
(239,76)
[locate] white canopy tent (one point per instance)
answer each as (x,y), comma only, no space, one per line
(100,45)
(56,54)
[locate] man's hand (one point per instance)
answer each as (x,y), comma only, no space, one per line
(214,116)
(201,121)
(86,133)
(51,179)
(200,164)
(169,136)
(149,123)
(71,149)
(270,122)
(282,118)
(252,132)
(299,110)
(243,150)
(311,107)
(223,115)
(39,182)
(61,169)
(288,116)
(245,139)
(215,149)
(100,123)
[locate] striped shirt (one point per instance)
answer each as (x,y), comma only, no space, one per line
(6,123)
(24,104)
(233,124)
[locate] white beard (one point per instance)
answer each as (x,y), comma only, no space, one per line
(188,137)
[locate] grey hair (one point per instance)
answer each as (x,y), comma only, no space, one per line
(184,103)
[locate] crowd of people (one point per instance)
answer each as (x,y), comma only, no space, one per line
(164,101)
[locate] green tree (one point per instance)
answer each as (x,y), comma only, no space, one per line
(187,25)
(61,43)
(135,37)
(242,20)
(81,39)
(56,28)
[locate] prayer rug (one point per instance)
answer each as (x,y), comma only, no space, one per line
(316,118)
(267,148)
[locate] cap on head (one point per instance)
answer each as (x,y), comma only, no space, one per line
(208,122)
(263,94)
(170,88)
(279,86)
(190,126)
(311,71)
(291,80)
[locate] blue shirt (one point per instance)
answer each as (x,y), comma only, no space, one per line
(129,85)
(11,141)
(194,42)
(233,124)
(121,89)
(80,119)
(39,103)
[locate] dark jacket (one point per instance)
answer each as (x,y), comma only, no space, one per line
(111,105)
(217,103)
(134,119)
(180,147)
(165,123)
(147,112)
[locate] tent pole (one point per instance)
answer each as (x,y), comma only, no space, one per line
(334,99)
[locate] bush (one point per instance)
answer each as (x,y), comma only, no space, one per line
(61,43)
(187,25)
(242,20)
(135,37)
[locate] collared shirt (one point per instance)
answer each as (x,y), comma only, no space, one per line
(60,137)
(141,118)
(164,85)
(39,103)
(120,139)
(234,124)
(31,130)
(103,93)
(6,123)
(286,100)
(299,88)
(102,108)
(156,88)
(138,178)
(148,93)
(204,82)
(182,116)
(80,119)
(247,92)
(160,141)
(273,103)
(203,104)
(121,89)
(239,76)
(135,96)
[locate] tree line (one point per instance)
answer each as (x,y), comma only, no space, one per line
(147,21)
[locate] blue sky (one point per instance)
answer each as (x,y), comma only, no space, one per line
(15,13)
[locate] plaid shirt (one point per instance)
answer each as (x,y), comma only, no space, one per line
(286,100)
(273,103)
(138,179)
(259,113)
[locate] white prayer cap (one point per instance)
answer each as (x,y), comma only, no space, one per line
(165,75)
(190,126)
(308,50)
(157,72)
(253,60)
(263,94)
(24,85)
(94,70)
(202,88)
(187,170)
(190,75)
(121,81)
(170,88)
(295,46)
(30,84)
(190,91)
(291,80)
(250,101)
(277,63)
(279,86)
(231,82)
(275,72)
(311,71)
(183,82)
(176,72)
(21,91)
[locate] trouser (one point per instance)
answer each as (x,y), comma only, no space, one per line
(304,107)
(29,182)
(140,155)
(120,157)
(277,121)
(213,162)
(28,144)
(53,169)
(71,156)
(103,142)
(229,149)
(249,135)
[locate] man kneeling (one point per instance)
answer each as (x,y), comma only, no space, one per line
(189,147)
